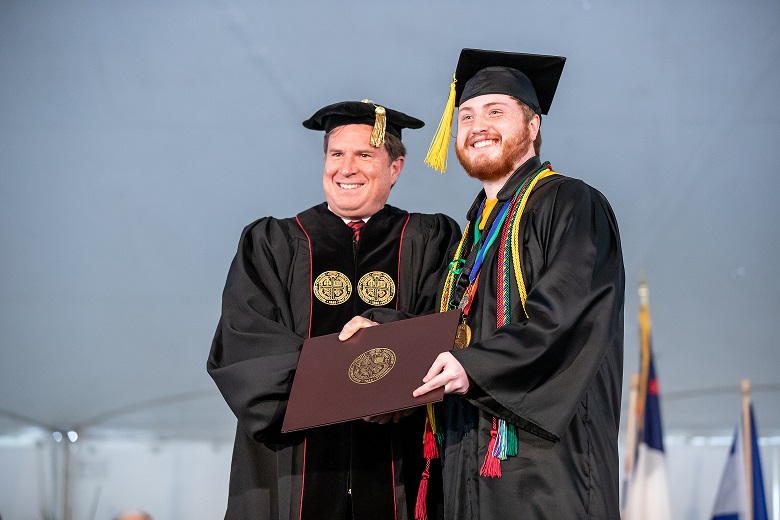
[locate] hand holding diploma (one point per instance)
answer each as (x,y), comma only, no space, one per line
(445,371)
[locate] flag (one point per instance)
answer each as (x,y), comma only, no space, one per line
(647,493)
(741,492)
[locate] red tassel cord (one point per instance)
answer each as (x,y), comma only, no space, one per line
(420,509)
(491,467)
(430,451)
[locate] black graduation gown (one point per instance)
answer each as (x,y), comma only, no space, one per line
(267,313)
(556,375)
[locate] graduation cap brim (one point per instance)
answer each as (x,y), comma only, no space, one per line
(359,113)
(542,71)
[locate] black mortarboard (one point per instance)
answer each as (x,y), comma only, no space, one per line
(530,78)
(364,112)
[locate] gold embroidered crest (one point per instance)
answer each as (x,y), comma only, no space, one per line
(332,288)
(376,288)
(371,366)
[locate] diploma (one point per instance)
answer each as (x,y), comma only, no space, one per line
(372,373)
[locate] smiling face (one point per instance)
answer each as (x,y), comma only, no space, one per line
(358,177)
(494,136)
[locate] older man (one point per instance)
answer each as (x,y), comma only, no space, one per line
(305,276)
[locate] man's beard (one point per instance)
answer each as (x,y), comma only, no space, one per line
(487,169)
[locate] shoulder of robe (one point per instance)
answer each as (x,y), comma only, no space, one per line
(432,224)
(272,229)
(563,191)
(271,234)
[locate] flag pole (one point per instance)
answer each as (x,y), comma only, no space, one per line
(629,457)
(644,346)
(747,440)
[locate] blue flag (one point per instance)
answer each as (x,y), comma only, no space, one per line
(652,434)
(741,492)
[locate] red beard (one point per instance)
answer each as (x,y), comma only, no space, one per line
(487,169)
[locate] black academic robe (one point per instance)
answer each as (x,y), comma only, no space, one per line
(360,469)
(556,374)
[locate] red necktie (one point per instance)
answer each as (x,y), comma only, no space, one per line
(356,226)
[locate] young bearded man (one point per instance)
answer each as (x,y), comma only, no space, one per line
(531,411)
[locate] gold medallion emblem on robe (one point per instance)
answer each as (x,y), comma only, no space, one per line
(376,288)
(371,366)
(332,288)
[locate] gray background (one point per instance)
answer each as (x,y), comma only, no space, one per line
(138,138)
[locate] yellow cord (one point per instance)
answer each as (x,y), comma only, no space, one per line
(515,243)
(448,281)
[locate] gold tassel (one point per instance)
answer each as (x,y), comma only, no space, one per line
(437,153)
(380,123)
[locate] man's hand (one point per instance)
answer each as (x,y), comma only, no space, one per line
(354,325)
(387,417)
(446,371)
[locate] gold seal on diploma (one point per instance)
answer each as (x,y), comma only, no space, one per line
(371,366)
(376,288)
(332,288)
(462,336)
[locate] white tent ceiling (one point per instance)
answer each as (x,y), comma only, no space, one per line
(138,138)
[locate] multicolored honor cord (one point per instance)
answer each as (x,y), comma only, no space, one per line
(503,435)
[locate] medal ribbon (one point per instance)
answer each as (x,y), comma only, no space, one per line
(459,275)
(495,230)
(459,288)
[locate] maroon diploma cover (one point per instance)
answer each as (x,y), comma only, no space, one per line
(373,372)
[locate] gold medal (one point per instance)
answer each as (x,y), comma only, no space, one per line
(462,336)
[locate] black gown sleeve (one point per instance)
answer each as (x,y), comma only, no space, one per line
(535,372)
(255,349)
(430,257)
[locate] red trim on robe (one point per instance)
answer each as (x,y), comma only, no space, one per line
(400,250)
(311,268)
(308,334)
(303,473)
(392,472)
